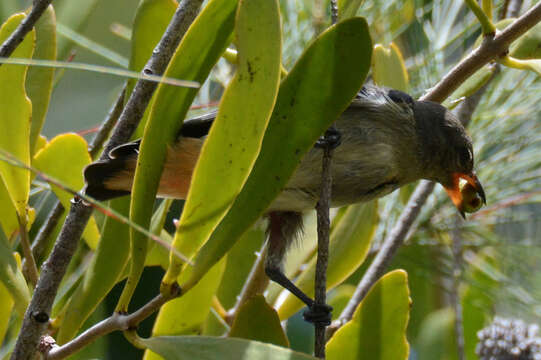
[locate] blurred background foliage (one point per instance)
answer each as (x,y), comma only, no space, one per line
(491,271)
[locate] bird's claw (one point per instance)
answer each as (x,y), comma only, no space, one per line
(331,139)
(318,314)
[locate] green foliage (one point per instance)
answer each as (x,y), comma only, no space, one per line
(264,126)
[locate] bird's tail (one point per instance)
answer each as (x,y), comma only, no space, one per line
(113,177)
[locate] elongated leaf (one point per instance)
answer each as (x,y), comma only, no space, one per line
(186,315)
(39,81)
(8,213)
(256,320)
(311,97)
(74,15)
(349,245)
(102,274)
(388,68)
(199,50)
(12,278)
(6,305)
(64,158)
(378,328)
(15,118)
(151,20)
(236,135)
(216,348)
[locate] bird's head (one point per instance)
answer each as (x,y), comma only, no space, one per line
(448,154)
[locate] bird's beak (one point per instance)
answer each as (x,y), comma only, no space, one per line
(466,192)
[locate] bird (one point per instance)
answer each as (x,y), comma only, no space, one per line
(383,140)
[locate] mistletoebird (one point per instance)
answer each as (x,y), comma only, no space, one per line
(387,140)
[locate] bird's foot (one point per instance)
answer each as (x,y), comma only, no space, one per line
(331,139)
(318,314)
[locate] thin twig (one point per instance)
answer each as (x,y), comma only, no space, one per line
(31,270)
(490,49)
(113,323)
(323,231)
(323,228)
(17,36)
(55,267)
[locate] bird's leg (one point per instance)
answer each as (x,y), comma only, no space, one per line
(332,139)
(282,229)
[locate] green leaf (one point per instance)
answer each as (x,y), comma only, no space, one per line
(12,278)
(186,314)
(472,84)
(378,328)
(101,275)
(528,46)
(39,80)
(256,320)
(151,20)
(388,68)
(217,348)
(201,47)
(311,97)
(15,118)
(349,245)
(231,148)
(7,8)
(64,159)
(8,213)
(6,305)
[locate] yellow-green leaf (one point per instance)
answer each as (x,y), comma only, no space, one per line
(388,68)
(8,213)
(12,277)
(233,143)
(314,93)
(256,320)
(6,305)
(201,47)
(101,275)
(15,117)
(151,20)
(472,84)
(39,81)
(217,348)
(378,328)
(349,245)
(186,315)
(64,158)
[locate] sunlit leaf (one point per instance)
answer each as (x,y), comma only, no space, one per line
(12,277)
(231,148)
(64,158)
(388,68)
(311,97)
(15,118)
(378,328)
(197,53)
(6,305)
